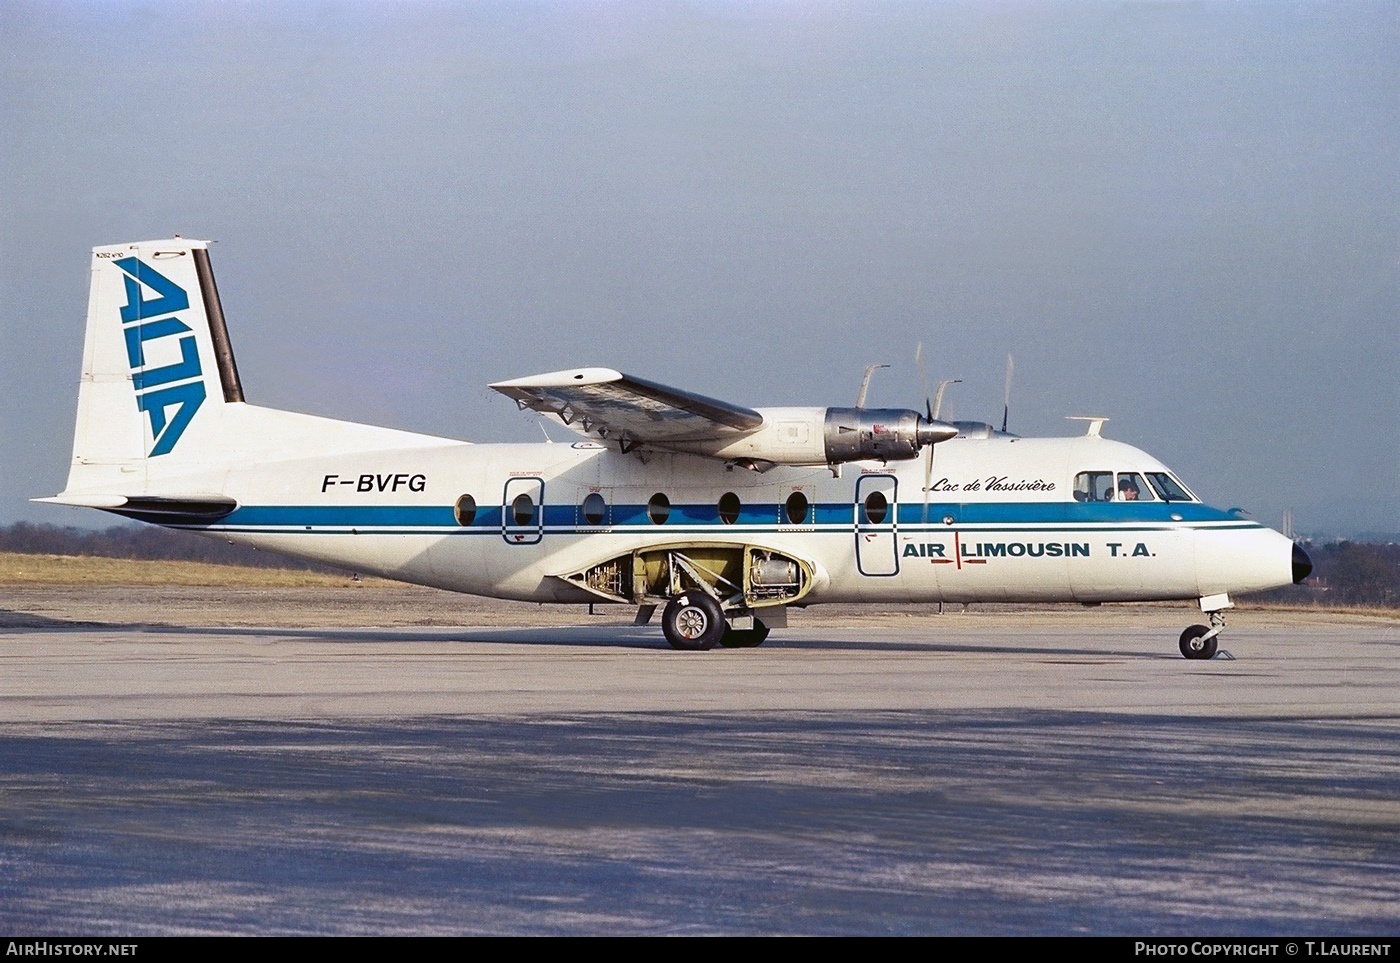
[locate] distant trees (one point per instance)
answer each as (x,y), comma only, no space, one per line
(140,541)
(1349,574)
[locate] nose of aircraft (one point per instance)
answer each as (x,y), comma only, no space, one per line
(1302,564)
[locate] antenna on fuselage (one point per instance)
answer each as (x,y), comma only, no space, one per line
(1095,424)
(865,383)
(938,395)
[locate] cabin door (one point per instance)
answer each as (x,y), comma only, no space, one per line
(522,511)
(876,509)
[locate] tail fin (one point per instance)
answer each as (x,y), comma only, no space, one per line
(160,403)
(156,359)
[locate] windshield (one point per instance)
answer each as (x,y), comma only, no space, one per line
(1168,488)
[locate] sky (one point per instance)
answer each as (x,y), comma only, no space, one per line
(1182,216)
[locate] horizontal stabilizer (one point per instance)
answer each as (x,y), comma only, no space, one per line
(161,509)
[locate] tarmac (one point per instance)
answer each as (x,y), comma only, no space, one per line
(407,762)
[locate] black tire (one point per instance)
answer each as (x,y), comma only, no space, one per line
(693,621)
(1191,645)
(744,638)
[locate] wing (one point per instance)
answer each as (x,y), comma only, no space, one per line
(630,411)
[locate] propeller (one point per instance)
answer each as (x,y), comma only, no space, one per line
(923,376)
(1006,402)
(931,408)
(928,409)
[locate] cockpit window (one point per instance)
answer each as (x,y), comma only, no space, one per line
(1168,488)
(1124,486)
(1093,486)
(1131,488)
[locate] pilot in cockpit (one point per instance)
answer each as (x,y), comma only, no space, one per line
(1127,490)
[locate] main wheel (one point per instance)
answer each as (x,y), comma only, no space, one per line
(1191,645)
(744,638)
(693,621)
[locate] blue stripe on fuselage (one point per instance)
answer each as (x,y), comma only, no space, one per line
(838,513)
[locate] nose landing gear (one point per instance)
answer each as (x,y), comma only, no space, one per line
(1200,641)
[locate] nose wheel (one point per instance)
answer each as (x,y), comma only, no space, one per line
(1200,641)
(1197,642)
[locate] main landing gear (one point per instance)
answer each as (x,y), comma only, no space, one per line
(694,621)
(1201,641)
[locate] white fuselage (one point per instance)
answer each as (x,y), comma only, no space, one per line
(1000,522)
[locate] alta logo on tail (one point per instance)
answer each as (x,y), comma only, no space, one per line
(159,389)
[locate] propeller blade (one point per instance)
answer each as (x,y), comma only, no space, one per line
(1006,403)
(928,476)
(923,378)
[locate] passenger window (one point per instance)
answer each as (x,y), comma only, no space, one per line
(1093,486)
(729,507)
(595,509)
(522,510)
(796,508)
(876,507)
(465,510)
(659,509)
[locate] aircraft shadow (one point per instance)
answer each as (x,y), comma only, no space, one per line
(613,636)
(10,619)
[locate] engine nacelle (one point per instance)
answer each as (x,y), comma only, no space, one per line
(886,434)
(827,436)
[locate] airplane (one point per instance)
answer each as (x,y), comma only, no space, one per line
(721,515)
